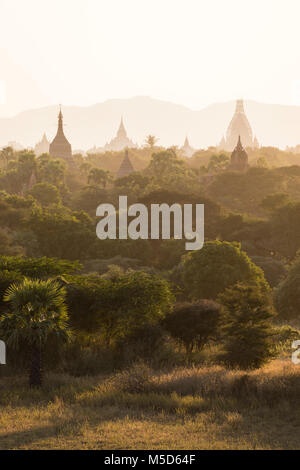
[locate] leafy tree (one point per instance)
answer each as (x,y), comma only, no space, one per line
(151,141)
(6,155)
(218,162)
(99,177)
(37,311)
(193,324)
(61,234)
(218,265)
(246,326)
(84,169)
(271,202)
(274,269)
(89,198)
(45,194)
(287,294)
(50,170)
(116,306)
(37,267)
(285,229)
(169,171)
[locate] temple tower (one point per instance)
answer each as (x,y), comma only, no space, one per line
(60,147)
(42,146)
(239,126)
(121,141)
(126,167)
(239,158)
(187,150)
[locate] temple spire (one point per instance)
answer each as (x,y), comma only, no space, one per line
(239,106)
(60,147)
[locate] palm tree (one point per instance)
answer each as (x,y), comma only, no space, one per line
(37,310)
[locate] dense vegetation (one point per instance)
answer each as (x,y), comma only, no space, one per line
(142,328)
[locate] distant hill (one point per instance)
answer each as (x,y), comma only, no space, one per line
(275,125)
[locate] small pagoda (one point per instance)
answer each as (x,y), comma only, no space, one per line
(126,167)
(239,158)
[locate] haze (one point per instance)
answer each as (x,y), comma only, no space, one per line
(191,52)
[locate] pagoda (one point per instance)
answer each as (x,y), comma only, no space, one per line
(60,147)
(121,141)
(187,150)
(239,126)
(239,158)
(42,146)
(126,167)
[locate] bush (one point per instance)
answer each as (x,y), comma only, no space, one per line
(193,324)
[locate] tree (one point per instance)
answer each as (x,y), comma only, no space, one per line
(218,265)
(6,155)
(287,295)
(99,177)
(272,202)
(84,169)
(218,163)
(151,141)
(37,311)
(115,307)
(193,324)
(169,171)
(50,170)
(246,326)
(89,198)
(45,194)
(37,267)
(285,229)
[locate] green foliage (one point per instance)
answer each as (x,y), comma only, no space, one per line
(218,162)
(287,294)
(37,267)
(61,234)
(218,265)
(246,326)
(273,201)
(45,194)
(169,171)
(285,229)
(193,324)
(99,177)
(274,269)
(36,311)
(6,279)
(116,306)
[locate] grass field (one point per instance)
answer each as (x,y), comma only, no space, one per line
(188,408)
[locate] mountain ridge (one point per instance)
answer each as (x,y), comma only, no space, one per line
(86,126)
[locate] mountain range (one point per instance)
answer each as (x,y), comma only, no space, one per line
(273,124)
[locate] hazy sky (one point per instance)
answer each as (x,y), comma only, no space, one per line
(192,52)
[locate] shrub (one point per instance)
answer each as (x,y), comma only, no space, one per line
(193,324)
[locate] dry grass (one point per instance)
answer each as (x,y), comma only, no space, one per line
(195,408)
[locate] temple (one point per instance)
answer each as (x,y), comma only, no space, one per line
(126,167)
(239,126)
(187,150)
(239,158)
(42,146)
(60,147)
(121,141)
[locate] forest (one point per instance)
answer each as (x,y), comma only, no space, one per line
(157,323)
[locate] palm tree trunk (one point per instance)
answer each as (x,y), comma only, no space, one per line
(35,375)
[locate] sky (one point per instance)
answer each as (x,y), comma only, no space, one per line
(191,52)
